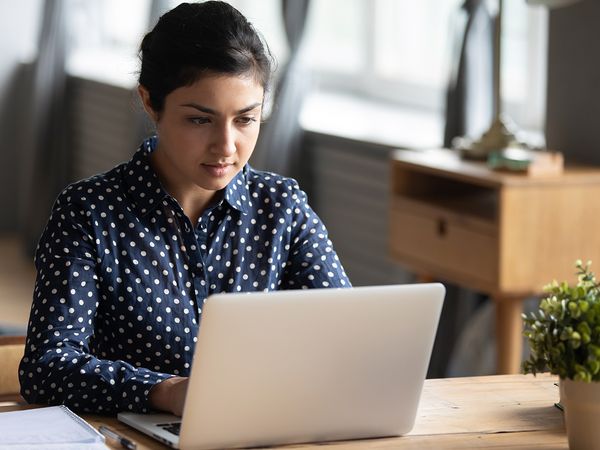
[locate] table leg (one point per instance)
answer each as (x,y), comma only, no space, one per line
(509,330)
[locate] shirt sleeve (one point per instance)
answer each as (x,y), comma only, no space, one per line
(58,366)
(312,262)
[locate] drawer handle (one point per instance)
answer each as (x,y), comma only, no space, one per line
(442,227)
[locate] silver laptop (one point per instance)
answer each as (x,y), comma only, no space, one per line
(304,366)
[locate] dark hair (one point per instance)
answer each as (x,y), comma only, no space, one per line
(198,38)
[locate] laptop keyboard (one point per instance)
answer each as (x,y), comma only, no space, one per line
(172,427)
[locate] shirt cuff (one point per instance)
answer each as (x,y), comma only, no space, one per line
(137,390)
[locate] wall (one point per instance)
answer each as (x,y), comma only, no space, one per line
(573,104)
(106,127)
(19,22)
(349,189)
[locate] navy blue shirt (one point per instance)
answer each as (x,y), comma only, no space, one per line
(122,275)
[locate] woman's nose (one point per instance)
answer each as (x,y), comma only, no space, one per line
(225,141)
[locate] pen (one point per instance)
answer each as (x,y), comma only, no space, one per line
(126,443)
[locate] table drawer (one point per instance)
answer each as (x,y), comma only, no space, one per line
(448,244)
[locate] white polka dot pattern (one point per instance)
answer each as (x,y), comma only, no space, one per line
(123,274)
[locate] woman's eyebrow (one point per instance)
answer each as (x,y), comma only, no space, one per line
(249,108)
(200,108)
(207,110)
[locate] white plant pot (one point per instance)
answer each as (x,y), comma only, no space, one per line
(582,414)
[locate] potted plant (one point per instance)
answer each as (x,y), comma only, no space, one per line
(564,336)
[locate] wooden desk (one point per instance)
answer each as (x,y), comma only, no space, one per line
(502,411)
(506,235)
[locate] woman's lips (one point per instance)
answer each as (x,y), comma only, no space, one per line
(217,170)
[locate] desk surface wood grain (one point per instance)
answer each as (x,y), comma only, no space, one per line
(500,412)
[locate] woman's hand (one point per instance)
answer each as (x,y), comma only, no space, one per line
(169,395)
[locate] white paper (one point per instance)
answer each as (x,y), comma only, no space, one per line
(56,427)
(98,446)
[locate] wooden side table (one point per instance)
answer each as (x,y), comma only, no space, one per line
(503,234)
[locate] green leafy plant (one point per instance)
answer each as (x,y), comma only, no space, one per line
(564,334)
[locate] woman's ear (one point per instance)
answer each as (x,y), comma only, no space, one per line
(145,97)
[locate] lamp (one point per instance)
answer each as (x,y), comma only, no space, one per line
(501,133)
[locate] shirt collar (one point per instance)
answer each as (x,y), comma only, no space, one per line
(146,191)
(237,193)
(143,186)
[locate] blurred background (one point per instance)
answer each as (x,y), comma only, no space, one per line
(355,79)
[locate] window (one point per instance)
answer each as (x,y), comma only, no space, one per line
(392,50)
(524,50)
(399,50)
(265,15)
(104,38)
(411,40)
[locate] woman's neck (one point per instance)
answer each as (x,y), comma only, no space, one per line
(192,198)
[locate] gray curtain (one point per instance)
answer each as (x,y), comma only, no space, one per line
(470,95)
(280,141)
(46,161)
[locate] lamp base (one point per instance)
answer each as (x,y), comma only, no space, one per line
(499,136)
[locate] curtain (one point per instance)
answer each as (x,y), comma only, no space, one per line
(46,162)
(279,144)
(470,94)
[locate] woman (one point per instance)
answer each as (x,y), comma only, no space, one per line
(128,257)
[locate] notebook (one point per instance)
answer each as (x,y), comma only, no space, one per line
(50,427)
(304,366)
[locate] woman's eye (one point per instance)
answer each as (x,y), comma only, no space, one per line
(199,120)
(246,120)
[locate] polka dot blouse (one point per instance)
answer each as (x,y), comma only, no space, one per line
(122,275)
